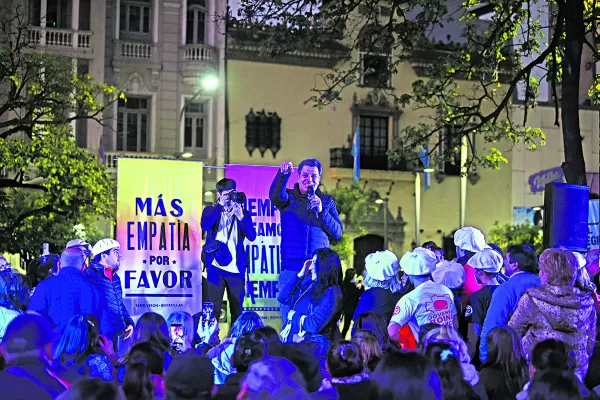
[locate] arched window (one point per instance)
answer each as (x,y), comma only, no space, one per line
(196,22)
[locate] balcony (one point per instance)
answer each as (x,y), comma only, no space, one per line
(372,167)
(197,59)
(59,38)
(129,51)
(113,157)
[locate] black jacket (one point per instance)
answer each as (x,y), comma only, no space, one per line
(211,218)
(116,317)
(302,231)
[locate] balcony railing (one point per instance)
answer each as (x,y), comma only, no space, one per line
(59,37)
(341,157)
(112,157)
(134,50)
(198,52)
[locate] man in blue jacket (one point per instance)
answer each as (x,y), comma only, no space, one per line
(227,225)
(309,218)
(67,294)
(116,323)
(521,266)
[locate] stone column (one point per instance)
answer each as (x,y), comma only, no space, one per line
(75,23)
(43,12)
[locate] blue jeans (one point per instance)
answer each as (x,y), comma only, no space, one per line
(285,276)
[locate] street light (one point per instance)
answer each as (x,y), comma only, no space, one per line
(210,82)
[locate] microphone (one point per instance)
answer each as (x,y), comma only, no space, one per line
(311,193)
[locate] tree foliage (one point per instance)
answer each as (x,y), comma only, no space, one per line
(353,204)
(48,185)
(56,186)
(470,85)
(507,234)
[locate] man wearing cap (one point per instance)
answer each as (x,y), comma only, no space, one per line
(428,303)
(227,224)
(27,349)
(116,323)
(487,264)
(521,266)
(384,287)
(67,294)
(309,218)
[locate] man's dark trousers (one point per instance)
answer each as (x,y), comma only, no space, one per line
(217,281)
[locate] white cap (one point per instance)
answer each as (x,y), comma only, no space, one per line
(104,245)
(382,265)
(470,239)
(418,262)
(487,260)
(78,242)
(450,274)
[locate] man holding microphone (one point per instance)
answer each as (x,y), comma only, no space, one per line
(309,217)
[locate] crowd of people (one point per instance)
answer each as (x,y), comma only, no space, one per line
(489,324)
(530,331)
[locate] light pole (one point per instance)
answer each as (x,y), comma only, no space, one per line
(207,84)
(385,220)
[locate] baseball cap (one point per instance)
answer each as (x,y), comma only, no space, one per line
(104,245)
(487,260)
(27,332)
(450,274)
(382,265)
(190,374)
(78,242)
(470,239)
(420,261)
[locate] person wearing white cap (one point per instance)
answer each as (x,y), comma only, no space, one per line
(384,286)
(429,302)
(117,324)
(487,265)
(468,241)
(82,245)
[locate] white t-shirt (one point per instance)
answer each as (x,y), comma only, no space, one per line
(224,225)
(428,303)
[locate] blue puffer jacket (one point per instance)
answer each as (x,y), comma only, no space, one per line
(302,231)
(115,317)
(64,296)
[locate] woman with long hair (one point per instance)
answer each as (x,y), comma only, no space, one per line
(221,355)
(144,375)
(370,348)
(401,376)
(447,363)
(83,349)
(151,327)
(316,299)
(505,371)
(14,297)
(249,347)
(449,335)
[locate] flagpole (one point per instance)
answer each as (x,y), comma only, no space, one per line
(417,209)
(463,181)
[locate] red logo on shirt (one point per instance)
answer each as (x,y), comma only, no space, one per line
(438,303)
(397,310)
